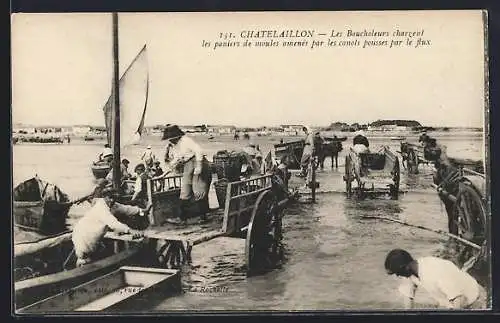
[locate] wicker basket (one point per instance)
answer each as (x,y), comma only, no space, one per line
(373,161)
(228,165)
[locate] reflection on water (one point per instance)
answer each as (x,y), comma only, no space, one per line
(334,257)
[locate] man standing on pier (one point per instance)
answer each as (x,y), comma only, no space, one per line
(186,156)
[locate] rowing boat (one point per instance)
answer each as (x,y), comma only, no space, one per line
(47,266)
(40,206)
(114,291)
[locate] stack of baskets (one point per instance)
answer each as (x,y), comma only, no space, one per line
(228,168)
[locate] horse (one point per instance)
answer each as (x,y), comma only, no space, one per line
(246,136)
(329,148)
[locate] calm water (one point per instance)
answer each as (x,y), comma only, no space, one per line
(334,258)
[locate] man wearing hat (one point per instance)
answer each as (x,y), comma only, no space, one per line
(148,157)
(125,174)
(424,137)
(186,156)
(253,166)
(89,231)
(140,188)
(106,155)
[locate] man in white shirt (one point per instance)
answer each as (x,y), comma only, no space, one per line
(308,151)
(106,154)
(450,287)
(89,231)
(148,157)
(186,156)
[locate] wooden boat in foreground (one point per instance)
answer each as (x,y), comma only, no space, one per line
(40,206)
(113,291)
(46,267)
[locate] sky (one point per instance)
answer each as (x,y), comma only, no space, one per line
(62,69)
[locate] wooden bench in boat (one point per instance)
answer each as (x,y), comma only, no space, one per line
(113,291)
(31,290)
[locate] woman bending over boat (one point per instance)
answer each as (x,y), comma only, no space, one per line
(101,218)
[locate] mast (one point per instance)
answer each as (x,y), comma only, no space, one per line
(116,107)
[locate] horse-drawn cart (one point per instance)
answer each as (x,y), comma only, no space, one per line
(415,154)
(373,174)
(461,185)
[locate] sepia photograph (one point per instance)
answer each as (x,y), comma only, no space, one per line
(211,162)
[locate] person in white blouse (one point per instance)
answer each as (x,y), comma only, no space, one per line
(89,231)
(448,285)
(185,156)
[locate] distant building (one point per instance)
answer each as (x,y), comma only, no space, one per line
(193,129)
(394,125)
(220,129)
(292,129)
(81,130)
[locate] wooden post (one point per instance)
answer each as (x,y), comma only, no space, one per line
(313,180)
(116,107)
(151,215)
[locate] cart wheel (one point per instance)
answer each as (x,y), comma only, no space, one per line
(412,162)
(172,254)
(396,178)
(348,177)
(263,247)
(469,216)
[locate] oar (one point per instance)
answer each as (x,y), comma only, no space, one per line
(467,242)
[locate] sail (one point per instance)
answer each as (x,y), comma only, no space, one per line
(134,88)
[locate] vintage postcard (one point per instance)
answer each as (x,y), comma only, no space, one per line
(250,161)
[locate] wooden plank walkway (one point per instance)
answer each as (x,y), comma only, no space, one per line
(190,234)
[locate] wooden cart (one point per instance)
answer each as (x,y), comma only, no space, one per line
(414,154)
(252,211)
(372,174)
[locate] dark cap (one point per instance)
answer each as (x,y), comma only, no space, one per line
(396,260)
(172,131)
(125,161)
(139,166)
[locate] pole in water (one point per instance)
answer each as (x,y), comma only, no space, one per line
(313,180)
(116,106)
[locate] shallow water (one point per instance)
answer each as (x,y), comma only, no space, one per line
(334,257)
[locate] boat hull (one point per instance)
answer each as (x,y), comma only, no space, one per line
(112,292)
(42,217)
(35,289)
(40,206)
(100,171)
